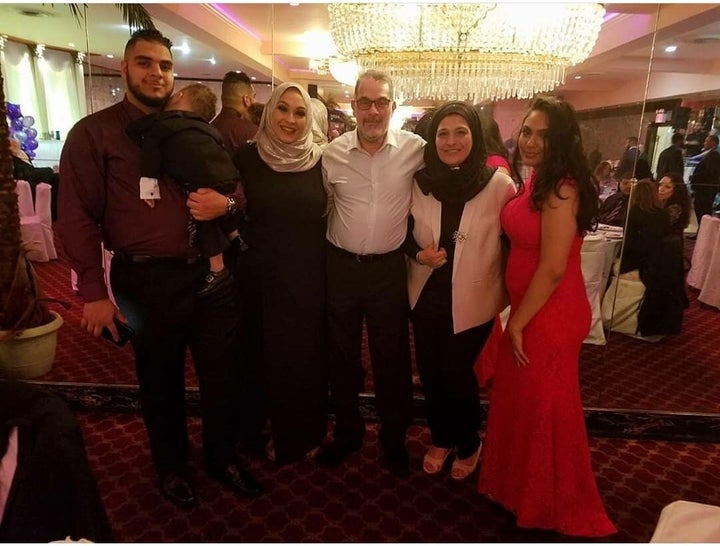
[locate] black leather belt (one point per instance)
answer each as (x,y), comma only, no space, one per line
(365,258)
(146,259)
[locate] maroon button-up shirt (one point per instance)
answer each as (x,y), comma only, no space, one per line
(236,131)
(99,200)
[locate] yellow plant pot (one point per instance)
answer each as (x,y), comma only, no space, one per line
(32,353)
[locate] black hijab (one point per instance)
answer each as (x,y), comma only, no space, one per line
(460,184)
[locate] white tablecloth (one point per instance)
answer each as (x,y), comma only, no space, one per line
(705,271)
(598,253)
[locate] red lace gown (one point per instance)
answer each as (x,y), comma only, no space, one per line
(536,459)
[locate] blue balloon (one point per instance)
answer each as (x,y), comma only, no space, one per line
(20,136)
(16,124)
(31,132)
(13,110)
(28,121)
(31,144)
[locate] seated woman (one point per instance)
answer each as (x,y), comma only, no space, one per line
(673,196)
(652,254)
(23,169)
(604,179)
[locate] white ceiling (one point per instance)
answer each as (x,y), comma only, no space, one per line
(266,40)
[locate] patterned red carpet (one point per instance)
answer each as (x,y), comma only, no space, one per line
(359,502)
(672,375)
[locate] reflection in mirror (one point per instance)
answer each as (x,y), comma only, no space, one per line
(662,357)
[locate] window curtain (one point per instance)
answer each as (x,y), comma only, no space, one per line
(57,82)
(17,68)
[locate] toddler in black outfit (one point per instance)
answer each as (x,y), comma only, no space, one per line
(181,143)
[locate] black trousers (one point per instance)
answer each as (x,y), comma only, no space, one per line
(702,202)
(160,302)
(445,362)
(377,292)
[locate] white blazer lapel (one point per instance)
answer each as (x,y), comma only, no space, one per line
(436,213)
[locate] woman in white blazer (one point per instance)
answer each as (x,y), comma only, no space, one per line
(455,279)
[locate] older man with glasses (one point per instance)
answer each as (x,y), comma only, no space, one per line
(369,173)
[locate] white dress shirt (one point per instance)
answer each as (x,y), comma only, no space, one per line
(369,195)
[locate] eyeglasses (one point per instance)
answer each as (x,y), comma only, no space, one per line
(381,104)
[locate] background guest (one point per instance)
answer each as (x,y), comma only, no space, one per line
(283,274)
(613,211)
(536,459)
(634,160)
(320,122)
(255,111)
(705,180)
(603,177)
(233,121)
(674,198)
(670,159)
(497,154)
(652,255)
(23,169)
(455,240)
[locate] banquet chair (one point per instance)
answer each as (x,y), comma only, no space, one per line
(621,304)
(35,221)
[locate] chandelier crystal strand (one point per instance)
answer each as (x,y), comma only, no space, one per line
(467,51)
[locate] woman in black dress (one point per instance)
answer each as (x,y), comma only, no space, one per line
(283,274)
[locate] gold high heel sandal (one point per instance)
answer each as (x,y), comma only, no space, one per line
(462,468)
(434,462)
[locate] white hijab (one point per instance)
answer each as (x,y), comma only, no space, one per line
(320,122)
(303,154)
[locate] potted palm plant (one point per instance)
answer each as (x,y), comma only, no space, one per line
(28,328)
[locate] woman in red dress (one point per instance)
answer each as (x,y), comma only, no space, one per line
(536,459)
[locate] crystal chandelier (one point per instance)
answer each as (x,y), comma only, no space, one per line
(467,51)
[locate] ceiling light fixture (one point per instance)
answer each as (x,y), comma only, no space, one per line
(184,48)
(671,49)
(467,51)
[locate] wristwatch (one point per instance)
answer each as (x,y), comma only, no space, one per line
(231,205)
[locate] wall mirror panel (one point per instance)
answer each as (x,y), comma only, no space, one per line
(677,372)
(629,86)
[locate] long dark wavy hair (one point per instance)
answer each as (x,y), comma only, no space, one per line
(564,158)
(680,197)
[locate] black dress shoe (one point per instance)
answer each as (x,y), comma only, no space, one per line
(214,280)
(178,490)
(335,453)
(240,481)
(397,462)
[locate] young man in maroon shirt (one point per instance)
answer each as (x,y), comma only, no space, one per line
(155,275)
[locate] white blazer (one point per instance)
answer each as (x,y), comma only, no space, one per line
(478,285)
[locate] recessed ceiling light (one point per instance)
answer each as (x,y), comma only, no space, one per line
(175,74)
(71,44)
(671,49)
(294,4)
(253,78)
(110,56)
(184,48)
(212,60)
(578,76)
